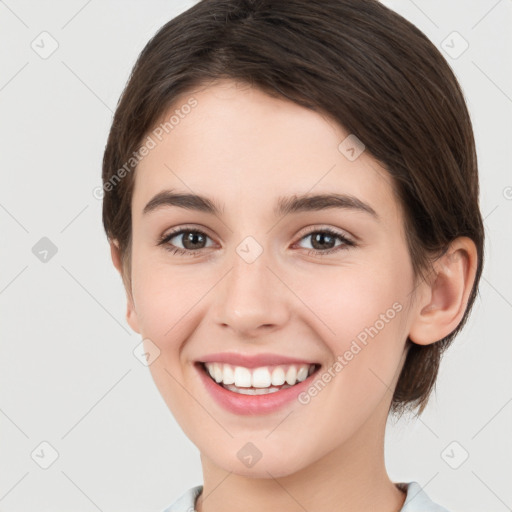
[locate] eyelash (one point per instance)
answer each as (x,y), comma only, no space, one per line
(164,240)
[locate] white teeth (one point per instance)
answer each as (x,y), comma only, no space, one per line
(278,376)
(217,372)
(302,373)
(263,377)
(229,375)
(291,375)
(209,368)
(242,377)
(254,391)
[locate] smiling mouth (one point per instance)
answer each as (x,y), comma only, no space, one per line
(261,381)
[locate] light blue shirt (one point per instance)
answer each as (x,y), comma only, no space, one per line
(416,500)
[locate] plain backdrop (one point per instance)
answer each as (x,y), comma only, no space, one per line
(68,375)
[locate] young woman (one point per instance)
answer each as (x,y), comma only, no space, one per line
(291,198)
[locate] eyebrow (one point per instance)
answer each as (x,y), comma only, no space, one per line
(284,205)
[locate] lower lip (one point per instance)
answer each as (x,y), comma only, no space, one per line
(252,404)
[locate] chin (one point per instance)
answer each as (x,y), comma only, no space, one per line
(268,466)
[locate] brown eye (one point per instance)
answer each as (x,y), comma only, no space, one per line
(192,240)
(323,241)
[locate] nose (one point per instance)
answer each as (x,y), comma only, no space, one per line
(252,300)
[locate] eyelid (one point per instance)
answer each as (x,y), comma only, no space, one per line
(308,230)
(185,227)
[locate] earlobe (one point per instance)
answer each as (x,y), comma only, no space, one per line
(447,294)
(115,255)
(131,314)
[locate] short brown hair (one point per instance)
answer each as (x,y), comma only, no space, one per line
(357,61)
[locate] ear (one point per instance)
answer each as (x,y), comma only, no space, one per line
(445,297)
(131,314)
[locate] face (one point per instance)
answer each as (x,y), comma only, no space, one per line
(247,280)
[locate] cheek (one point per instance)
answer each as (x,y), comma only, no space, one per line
(168,304)
(363,324)
(350,300)
(163,298)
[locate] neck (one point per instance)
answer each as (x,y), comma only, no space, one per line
(352,478)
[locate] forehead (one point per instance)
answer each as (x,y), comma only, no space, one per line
(240,146)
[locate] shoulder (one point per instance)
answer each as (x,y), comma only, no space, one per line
(417,499)
(186,502)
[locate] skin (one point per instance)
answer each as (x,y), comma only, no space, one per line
(244,149)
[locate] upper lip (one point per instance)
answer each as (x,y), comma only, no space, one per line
(252,361)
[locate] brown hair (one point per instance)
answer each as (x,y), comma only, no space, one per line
(360,63)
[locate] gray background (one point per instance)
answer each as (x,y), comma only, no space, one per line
(68,375)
